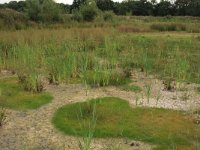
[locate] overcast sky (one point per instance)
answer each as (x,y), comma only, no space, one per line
(59,1)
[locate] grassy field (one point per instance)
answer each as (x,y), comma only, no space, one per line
(103,54)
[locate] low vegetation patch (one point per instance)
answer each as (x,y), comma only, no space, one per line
(133,88)
(169,27)
(13,96)
(115,118)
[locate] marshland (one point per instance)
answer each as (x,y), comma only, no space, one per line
(100,75)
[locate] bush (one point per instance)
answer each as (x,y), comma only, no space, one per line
(108,16)
(43,10)
(77,16)
(89,11)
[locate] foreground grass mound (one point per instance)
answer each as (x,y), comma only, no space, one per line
(115,118)
(12,95)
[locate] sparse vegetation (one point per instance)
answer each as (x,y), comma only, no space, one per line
(101,47)
(133,88)
(148,91)
(169,84)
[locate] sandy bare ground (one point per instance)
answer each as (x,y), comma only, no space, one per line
(33,129)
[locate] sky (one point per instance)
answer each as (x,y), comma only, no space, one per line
(58,1)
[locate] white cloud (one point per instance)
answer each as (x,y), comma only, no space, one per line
(58,1)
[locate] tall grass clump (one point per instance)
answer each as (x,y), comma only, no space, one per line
(27,69)
(107,70)
(88,126)
(168,27)
(105,78)
(61,68)
(31,82)
(7,55)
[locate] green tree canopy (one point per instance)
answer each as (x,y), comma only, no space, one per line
(43,10)
(105,5)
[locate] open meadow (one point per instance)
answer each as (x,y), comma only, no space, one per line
(128,84)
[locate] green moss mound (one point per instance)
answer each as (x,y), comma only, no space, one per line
(13,96)
(115,118)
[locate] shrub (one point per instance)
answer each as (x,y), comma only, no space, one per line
(89,11)
(77,16)
(43,10)
(108,16)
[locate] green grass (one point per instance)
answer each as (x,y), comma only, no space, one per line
(133,88)
(115,118)
(13,96)
(100,56)
(104,78)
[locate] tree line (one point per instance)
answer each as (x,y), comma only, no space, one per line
(148,8)
(49,10)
